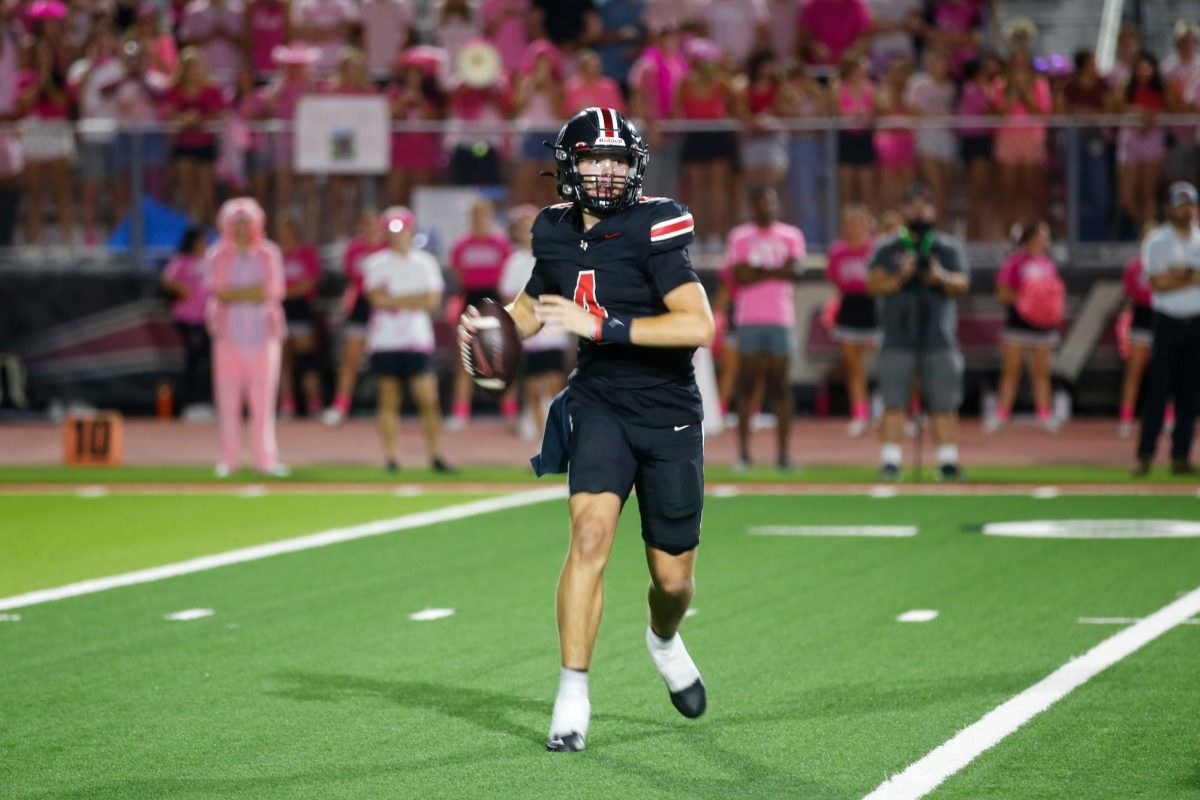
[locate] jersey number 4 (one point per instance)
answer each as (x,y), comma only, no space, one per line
(585,294)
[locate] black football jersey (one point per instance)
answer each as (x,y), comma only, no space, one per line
(623,266)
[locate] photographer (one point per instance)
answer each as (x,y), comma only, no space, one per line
(917,274)
(1171,259)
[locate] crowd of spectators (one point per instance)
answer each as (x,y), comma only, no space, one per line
(216,69)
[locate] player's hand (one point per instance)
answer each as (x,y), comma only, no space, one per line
(908,267)
(559,313)
(466,325)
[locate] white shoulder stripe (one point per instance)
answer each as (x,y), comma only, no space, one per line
(672,234)
(667,223)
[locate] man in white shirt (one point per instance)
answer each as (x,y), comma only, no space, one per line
(1171,256)
(404,285)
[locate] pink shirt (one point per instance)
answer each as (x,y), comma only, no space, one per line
(1137,283)
(325,15)
(766,302)
(604,93)
(385,26)
(478,261)
(657,75)
(279,100)
(959,18)
(299,265)
(1042,104)
(356,251)
(43,107)
(847,269)
(837,24)
(192,272)
(207,101)
(268,30)
(1021,265)
(783,14)
(202,19)
(249,325)
(510,35)
(974,101)
(733,25)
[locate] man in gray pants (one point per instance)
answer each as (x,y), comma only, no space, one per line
(917,275)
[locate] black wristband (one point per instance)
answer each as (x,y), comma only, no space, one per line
(614,329)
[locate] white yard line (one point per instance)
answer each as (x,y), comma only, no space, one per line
(1123,621)
(887,531)
(925,775)
(308,542)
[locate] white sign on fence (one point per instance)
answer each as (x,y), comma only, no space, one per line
(343,135)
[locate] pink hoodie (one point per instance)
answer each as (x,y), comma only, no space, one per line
(221,259)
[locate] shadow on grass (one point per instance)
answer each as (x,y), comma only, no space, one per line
(731,749)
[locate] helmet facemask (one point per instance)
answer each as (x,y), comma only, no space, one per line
(582,138)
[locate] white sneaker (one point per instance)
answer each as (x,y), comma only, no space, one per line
(332,417)
(762,422)
(569,724)
(454,423)
(857,427)
(993,425)
(1050,424)
(1125,430)
(222,471)
(277,471)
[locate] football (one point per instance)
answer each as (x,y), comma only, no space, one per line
(492,355)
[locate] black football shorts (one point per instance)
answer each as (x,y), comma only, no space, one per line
(665,465)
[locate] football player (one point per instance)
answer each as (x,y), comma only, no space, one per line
(612,267)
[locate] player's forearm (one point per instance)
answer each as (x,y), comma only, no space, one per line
(673,329)
(522,313)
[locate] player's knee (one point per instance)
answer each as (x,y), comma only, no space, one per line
(676,586)
(590,537)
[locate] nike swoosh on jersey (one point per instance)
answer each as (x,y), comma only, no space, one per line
(681,427)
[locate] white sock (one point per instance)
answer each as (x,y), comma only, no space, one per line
(672,660)
(947,454)
(572,709)
(891,454)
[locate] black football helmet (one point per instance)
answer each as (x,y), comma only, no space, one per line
(600,131)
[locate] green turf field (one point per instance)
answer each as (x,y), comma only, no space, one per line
(310,681)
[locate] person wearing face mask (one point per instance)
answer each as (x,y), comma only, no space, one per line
(917,276)
(246,322)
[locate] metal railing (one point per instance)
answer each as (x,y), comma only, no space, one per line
(822,132)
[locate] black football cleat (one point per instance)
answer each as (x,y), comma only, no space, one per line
(441,467)
(570,743)
(691,701)
(889,473)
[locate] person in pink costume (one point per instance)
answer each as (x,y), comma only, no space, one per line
(245,319)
